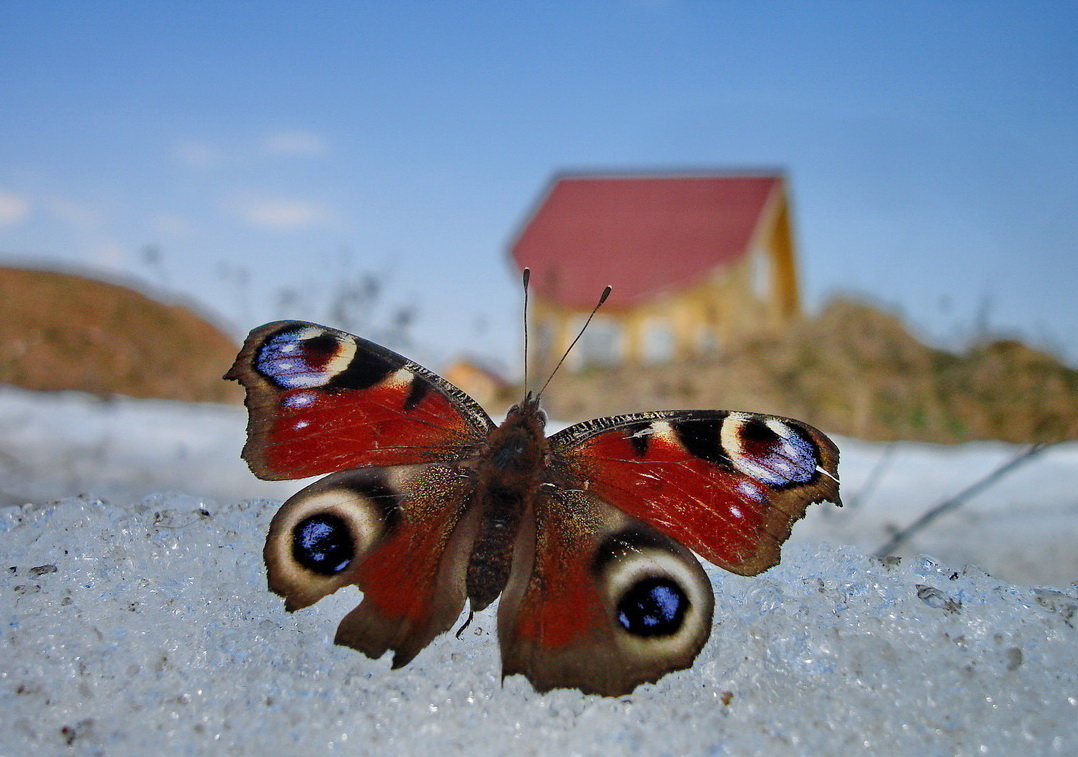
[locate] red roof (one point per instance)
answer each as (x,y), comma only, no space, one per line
(642,235)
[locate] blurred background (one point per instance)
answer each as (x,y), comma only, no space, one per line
(860,214)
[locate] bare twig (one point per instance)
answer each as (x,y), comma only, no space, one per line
(875,475)
(957,500)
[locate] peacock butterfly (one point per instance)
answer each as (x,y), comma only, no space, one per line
(587,535)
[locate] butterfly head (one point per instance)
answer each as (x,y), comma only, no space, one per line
(525,420)
(529,407)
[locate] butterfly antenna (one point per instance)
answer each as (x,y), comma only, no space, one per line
(527,277)
(599,304)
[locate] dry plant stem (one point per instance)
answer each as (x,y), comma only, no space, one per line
(873,480)
(947,505)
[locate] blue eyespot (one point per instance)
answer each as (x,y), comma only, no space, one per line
(323,544)
(653,607)
(295,359)
(776,453)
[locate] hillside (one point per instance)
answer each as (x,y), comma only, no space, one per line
(856,371)
(61,331)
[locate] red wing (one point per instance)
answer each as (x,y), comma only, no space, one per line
(321,400)
(599,601)
(401,534)
(727,485)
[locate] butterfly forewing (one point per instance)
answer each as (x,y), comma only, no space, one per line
(321,400)
(727,485)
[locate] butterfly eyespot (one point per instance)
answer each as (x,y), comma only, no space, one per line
(303,358)
(323,544)
(322,533)
(770,450)
(658,596)
(653,606)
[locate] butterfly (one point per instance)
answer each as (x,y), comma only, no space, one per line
(587,536)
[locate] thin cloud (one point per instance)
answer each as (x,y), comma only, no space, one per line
(82,217)
(169,224)
(198,155)
(281,213)
(303,144)
(12,208)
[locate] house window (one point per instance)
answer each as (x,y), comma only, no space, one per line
(707,340)
(601,343)
(658,342)
(542,342)
(761,275)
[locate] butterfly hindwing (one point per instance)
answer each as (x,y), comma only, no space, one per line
(322,400)
(727,485)
(600,601)
(401,534)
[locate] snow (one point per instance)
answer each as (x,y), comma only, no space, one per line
(1023,528)
(54,445)
(136,619)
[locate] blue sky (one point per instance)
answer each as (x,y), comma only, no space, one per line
(932,147)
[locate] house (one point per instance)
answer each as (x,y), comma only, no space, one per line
(696,262)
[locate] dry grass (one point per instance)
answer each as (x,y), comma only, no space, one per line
(856,371)
(59,331)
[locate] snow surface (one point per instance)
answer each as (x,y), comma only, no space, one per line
(137,622)
(59,444)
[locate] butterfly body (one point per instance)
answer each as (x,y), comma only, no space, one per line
(508,478)
(587,536)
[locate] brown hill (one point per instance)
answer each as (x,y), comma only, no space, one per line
(856,371)
(61,331)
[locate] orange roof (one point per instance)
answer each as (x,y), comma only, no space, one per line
(644,235)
